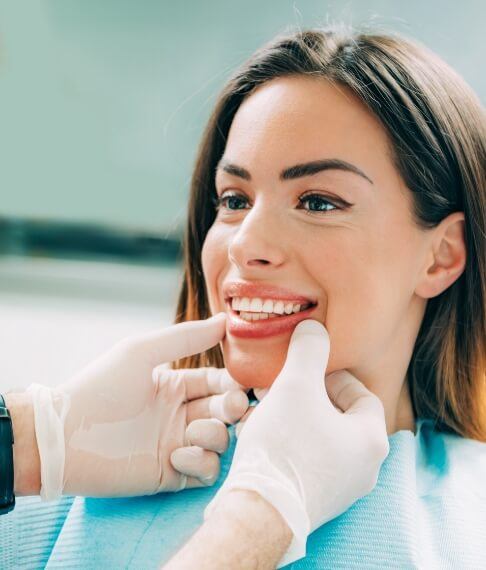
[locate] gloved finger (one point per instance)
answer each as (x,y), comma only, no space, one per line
(227,407)
(210,434)
(159,369)
(306,362)
(207,381)
(362,405)
(194,483)
(197,382)
(351,395)
(241,424)
(196,462)
(260,393)
(184,339)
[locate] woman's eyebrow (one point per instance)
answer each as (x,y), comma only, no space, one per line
(299,170)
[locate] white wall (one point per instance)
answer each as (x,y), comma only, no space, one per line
(55,316)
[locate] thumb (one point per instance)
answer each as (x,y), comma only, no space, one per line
(185,339)
(352,396)
(306,361)
(241,424)
(260,393)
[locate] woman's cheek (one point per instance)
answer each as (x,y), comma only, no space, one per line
(212,265)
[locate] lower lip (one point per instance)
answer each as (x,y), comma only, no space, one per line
(262,328)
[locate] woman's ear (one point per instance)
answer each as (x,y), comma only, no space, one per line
(447,257)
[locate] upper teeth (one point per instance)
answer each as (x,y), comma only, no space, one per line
(257,305)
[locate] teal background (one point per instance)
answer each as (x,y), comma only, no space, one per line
(102,103)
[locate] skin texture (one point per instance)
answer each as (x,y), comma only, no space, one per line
(244,532)
(370,267)
(25,450)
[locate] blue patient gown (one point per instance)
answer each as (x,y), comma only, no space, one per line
(428,510)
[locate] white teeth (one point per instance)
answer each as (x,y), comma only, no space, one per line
(244,304)
(256,308)
(260,316)
(267,306)
(256,316)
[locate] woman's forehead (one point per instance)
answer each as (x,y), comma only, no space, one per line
(303,105)
(299,115)
(296,120)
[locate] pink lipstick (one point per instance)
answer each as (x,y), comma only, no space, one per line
(273,324)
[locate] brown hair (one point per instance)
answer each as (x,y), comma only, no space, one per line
(436,126)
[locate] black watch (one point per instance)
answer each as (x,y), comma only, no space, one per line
(7,497)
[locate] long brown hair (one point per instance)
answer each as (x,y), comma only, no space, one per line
(437,130)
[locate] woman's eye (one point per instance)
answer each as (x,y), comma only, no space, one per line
(312,203)
(317,203)
(230,201)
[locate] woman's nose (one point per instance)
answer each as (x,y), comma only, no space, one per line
(258,241)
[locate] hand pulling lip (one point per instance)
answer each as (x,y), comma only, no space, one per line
(263,291)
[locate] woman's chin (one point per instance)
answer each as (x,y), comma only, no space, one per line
(251,369)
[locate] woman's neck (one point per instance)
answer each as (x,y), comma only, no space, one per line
(385,374)
(403,416)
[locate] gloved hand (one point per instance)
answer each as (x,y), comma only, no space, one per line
(305,456)
(259,393)
(115,429)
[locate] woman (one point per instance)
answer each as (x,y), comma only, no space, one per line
(399,275)
(381,238)
(350,170)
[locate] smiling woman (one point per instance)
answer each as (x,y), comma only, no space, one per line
(342,178)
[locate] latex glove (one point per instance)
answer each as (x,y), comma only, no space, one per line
(111,430)
(308,459)
(259,393)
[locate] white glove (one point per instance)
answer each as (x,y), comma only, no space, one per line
(308,459)
(259,393)
(115,428)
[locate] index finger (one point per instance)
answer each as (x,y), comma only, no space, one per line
(351,395)
(185,339)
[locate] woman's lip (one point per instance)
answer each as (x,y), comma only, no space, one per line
(238,327)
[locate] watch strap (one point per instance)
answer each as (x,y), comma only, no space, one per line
(7,497)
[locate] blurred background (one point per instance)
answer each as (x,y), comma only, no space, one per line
(102,105)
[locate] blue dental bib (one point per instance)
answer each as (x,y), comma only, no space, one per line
(428,510)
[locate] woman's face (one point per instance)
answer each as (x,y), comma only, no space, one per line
(341,237)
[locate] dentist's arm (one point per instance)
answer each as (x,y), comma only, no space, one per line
(26,454)
(125,425)
(244,532)
(255,535)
